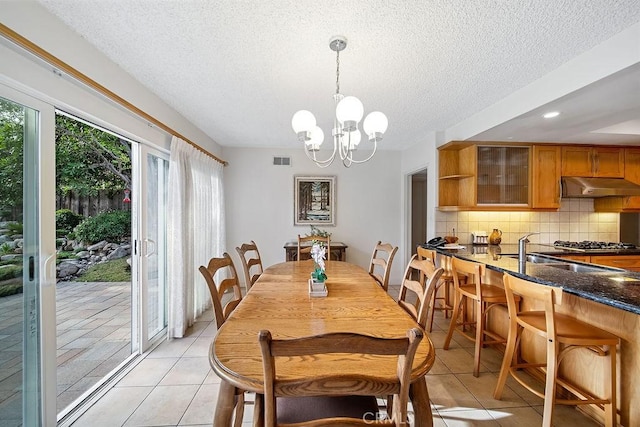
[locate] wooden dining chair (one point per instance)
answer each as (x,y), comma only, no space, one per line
(304,251)
(223,305)
(418,285)
(445,282)
(561,334)
(251,263)
(381,261)
(346,399)
(483,299)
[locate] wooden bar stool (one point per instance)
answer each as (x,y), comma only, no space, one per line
(484,298)
(446,282)
(562,334)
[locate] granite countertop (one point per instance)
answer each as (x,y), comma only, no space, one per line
(610,286)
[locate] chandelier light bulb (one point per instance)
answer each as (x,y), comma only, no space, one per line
(303,121)
(375,123)
(349,112)
(317,136)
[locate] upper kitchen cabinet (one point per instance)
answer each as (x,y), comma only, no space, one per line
(503,175)
(546,167)
(602,162)
(457,171)
(483,177)
(631,173)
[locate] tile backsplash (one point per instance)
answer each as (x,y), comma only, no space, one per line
(575,221)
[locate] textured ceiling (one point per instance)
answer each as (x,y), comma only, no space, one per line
(240,69)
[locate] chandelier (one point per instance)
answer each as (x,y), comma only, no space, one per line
(345,132)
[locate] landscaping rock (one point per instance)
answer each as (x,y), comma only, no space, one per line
(97,246)
(119,252)
(67,268)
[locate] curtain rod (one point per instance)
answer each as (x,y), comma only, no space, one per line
(68,69)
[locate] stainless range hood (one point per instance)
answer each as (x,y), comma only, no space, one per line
(598,187)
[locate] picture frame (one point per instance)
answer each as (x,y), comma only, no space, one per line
(314,200)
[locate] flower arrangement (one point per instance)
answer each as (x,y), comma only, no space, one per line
(318,252)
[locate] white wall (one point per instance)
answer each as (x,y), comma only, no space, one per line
(259,203)
(420,156)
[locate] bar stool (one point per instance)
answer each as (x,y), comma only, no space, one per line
(446,281)
(562,334)
(484,298)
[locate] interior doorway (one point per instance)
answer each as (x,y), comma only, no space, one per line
(418,204)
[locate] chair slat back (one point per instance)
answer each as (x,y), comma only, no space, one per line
(359,383)
(418,284)
(381,261)
(251,263)
(473,270)
(546,295)
(224,265)
(306,250)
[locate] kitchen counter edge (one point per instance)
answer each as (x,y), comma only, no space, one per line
(614,287)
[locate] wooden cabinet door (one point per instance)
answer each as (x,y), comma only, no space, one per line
(632,164)
(577,161)
(581,258)
(608,162)
(546,177)
(628,262)
(603,162)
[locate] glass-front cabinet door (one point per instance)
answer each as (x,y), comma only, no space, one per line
(27,262)
(503,175)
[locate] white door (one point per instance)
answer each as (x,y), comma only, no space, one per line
(27,319)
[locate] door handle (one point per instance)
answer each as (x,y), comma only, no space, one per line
(50,271)
(149,243)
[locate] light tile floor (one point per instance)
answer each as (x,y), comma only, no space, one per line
(173,386)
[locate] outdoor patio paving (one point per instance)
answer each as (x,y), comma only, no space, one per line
(93,337)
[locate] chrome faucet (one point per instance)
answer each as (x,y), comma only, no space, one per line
(522,248)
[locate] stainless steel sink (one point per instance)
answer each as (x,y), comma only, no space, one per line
(578,268)
(539,259)
(562,264)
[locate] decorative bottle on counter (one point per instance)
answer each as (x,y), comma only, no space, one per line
(495,237)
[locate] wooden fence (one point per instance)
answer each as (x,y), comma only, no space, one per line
(93,205)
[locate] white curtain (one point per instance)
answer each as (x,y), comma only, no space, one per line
(195,231)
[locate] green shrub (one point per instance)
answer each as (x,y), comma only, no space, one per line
(111,271)
(11,288)
(65,255)
(111,226)
(5,249)
(67,220)
(10,272)
(15,227)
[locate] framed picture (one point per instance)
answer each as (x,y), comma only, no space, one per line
(314,200)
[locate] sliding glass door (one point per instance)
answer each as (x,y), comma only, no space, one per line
(33,359)
(27,262)
(154,174)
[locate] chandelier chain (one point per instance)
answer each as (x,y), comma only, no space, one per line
(337,72)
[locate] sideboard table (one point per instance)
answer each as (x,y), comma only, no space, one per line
(338,251)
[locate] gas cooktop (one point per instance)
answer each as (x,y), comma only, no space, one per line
(587,245)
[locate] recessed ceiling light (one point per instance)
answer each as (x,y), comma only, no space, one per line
(551,114)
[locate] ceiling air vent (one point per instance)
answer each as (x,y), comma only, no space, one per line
(282,161)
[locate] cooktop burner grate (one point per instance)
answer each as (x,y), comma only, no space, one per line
(586,245)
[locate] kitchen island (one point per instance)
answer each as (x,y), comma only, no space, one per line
(608,298)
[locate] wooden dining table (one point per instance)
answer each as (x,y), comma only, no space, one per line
(279,301)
